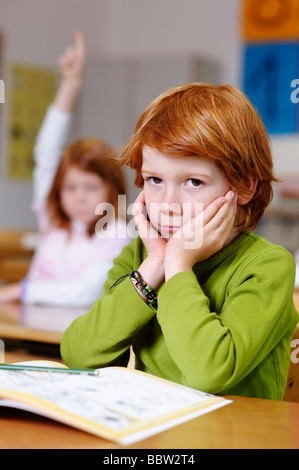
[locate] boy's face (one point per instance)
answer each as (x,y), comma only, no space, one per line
(178,188)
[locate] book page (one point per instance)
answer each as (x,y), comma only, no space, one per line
(119,403)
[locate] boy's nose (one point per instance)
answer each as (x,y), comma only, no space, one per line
(170,202)
(171,208)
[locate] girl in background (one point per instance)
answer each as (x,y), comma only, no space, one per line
(72,260)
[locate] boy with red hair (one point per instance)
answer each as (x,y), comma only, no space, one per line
(216,313)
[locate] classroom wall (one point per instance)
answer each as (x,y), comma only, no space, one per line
(36,32)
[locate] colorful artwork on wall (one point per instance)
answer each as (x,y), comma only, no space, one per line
(271,61)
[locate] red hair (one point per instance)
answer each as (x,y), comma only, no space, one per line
(93,156)
(217,122)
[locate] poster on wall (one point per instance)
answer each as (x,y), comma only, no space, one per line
(271,61)
(268,72)
(32,90)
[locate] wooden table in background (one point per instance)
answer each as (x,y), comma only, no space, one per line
(36,322)
(34,331)
(16,251)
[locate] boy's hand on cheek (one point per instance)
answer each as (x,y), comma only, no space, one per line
(153,242)
(152,268)
(201,237)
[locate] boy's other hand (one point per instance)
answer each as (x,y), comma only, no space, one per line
(201,237)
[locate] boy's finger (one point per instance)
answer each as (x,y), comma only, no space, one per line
(138,204)
(140,197)
(139,220)
(137,209)
(219,205)
(144,228)
(210,211)
(232,198)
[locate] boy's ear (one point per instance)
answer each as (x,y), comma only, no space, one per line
(251,187)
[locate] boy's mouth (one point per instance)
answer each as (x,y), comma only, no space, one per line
(168,228)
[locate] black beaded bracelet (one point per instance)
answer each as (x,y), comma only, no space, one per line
(141,285)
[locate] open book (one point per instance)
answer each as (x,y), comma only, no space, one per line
(119,404)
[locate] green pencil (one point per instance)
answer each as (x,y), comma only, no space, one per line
(21,368)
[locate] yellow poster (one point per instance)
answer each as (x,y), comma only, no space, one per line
(32,90)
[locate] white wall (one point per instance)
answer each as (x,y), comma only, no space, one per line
(37,31)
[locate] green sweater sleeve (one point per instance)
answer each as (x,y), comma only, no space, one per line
(215,351)
(104,335)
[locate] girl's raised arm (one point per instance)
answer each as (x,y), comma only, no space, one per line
(54,132)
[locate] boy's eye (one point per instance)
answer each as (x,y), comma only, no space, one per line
(193,182)
(154,180)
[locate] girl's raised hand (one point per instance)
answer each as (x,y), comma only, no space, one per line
(72,62)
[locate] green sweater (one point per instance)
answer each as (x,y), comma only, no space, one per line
(224,328)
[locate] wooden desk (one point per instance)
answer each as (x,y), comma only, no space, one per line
(247,423)
(36,322)
(16,250)
(34,332)
(17,242)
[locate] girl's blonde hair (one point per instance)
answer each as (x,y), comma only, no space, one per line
(216,122)
(93,156)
